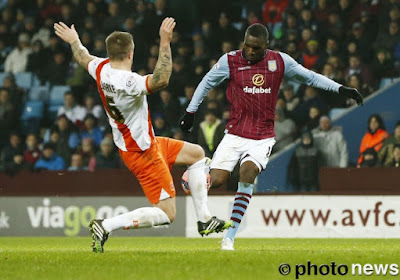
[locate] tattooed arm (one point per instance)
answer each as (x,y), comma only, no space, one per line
(69,35)
(162,72)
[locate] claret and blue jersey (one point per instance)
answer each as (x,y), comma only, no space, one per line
(253,89)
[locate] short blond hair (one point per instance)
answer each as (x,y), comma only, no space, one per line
(119,44)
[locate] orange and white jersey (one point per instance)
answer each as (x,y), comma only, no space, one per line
(124,97)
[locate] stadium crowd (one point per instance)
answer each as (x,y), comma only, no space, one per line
(356,43)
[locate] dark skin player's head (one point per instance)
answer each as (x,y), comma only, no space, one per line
(256,42)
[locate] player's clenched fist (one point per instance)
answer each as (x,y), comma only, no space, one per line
(166,29)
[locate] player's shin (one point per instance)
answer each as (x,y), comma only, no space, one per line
(144,217)
(198,189)
(242,200)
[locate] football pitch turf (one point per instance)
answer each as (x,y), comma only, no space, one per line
(185,258)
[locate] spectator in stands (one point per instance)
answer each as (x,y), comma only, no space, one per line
(383,66)
(37,59)
(310,57)
(356,67)
(292,101)
(389,39)
(31,152)
(10,150)
(396,157)
(386,153)
(374,137)
(61,147)
(88,152)
(74,112)
(370,158)
(57,68)
(114,21)
(92,108)
(160,126)
(99,49)
(66,131)
(17,95)
(331,143)
(311,98)
(77,163)
(8,116)
(169,106)
(361,37)
(285,130)
(225,30)
(304,165)
(273,13)
(49,160)
(356,81)
(106,157)
(321,12)
(91,131)
(313,118)
(210,133)
(17,60)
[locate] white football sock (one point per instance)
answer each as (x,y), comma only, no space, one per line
(198,189)
(144,217)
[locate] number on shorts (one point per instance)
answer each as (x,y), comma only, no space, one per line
(113,110)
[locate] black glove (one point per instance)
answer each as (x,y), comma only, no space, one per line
(186,122)
(351,93)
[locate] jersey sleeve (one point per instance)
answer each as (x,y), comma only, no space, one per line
(92,66)
(137,85)
(296,72)
(218,73)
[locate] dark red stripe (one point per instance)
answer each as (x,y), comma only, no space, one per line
(238,212)
(244,194)
(242,199)
(240,205)
(236,220)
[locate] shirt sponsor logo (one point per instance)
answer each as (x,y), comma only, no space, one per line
(255,90)
(272,65)
(258,79)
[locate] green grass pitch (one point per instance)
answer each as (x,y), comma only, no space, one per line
(185,258)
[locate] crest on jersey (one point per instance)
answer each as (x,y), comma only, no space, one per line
(272,65)
(258,79)
(130,81)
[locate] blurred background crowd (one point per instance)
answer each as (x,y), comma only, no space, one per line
(51,116)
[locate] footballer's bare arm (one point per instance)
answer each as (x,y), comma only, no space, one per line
(69,35)
(163,69)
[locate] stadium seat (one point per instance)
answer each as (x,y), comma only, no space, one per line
(24,79)
(52,111)
(31,117)
(39,93)
(335,112)
(32,109)
(57,95)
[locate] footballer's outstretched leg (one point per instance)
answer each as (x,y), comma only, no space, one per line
(99,235)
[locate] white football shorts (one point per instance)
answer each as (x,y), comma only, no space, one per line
(235,148)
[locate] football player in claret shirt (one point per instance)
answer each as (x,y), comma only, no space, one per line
(150,158)
(255,74)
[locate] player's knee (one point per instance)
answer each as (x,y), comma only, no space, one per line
(217,182)
(198,153)
(248,173)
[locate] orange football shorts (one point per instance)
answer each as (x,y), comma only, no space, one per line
(153,167)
